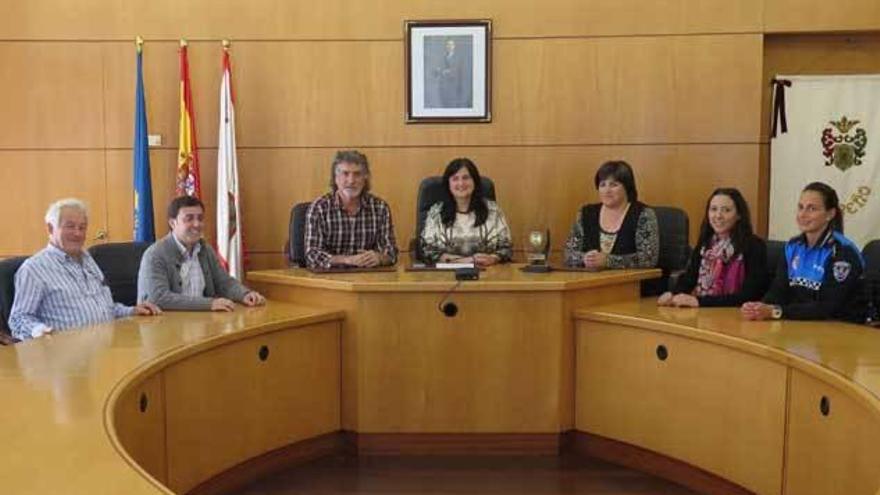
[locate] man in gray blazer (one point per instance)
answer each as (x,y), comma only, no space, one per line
(180,271)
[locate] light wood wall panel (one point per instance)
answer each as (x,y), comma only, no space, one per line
(821,15)
(347,19)
(52,96)
(536,186)
(162,87)
(550,91)
(31,180)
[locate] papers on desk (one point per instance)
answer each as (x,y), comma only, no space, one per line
(453,266)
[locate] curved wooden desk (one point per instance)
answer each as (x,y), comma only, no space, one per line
(498,376)
(188,394)
(775,407)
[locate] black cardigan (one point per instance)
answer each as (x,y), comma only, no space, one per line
(755,258)
(626,235)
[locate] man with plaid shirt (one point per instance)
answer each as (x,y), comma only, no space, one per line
(349,226)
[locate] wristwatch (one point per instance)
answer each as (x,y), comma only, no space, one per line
(776,313)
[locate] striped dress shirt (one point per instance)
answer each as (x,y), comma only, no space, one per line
(55,291)
(330,230)
(191,270)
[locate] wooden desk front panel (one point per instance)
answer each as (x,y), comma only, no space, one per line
(496,367)
(139,418)
(837,453)
(225,405)
(710,406)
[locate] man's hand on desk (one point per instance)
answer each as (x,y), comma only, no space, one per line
(253,298)
(222,304)
(364,259)
(147,308)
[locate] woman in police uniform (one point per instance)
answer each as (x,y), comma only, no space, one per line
(818,277)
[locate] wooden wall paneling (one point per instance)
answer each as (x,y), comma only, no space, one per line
(818,15)
(342,19)
(162,89)
(52,96)
(761,212)
(549,91)
(31,180)
(718,88)
(163,168)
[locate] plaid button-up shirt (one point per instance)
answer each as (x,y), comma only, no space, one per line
(330,230)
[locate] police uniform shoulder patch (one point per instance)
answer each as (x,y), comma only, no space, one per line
(841,270)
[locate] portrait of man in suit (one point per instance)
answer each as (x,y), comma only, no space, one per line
(448,71)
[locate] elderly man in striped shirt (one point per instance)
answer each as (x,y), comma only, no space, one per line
(349,226)
(61,287)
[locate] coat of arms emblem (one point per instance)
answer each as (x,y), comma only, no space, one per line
(846,147)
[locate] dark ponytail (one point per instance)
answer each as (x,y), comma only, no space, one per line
(829,197)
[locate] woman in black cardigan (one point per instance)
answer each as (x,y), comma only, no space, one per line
(619,231)
(729,264)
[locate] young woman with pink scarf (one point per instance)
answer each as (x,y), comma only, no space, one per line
(729,264)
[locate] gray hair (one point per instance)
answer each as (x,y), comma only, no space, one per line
(350,156)
(53,214)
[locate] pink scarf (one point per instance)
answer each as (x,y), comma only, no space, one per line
(719,274)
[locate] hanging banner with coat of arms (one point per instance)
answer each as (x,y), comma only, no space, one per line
(830,132)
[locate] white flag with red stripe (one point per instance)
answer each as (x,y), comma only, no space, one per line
(229,243)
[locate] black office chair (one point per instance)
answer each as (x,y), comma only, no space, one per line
(871,282)
(775,251)
(120,262)
(8,267)
(296,238)
(431,191)
(674,228)
(871,253)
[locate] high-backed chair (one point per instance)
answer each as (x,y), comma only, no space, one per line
(775,251)
(431,191)
(8,267)
(120,262)
(296,235)
(674,228)
(871,253)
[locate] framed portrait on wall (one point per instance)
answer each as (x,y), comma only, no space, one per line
(448,71)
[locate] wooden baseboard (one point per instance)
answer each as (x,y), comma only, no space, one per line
(271,463)
(650,462)
(419,444)
(454,443)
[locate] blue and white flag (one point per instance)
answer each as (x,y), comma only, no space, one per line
(144,229)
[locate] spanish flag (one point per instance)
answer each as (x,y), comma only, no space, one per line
(188,178)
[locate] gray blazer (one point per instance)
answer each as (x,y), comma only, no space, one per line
(159,278)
